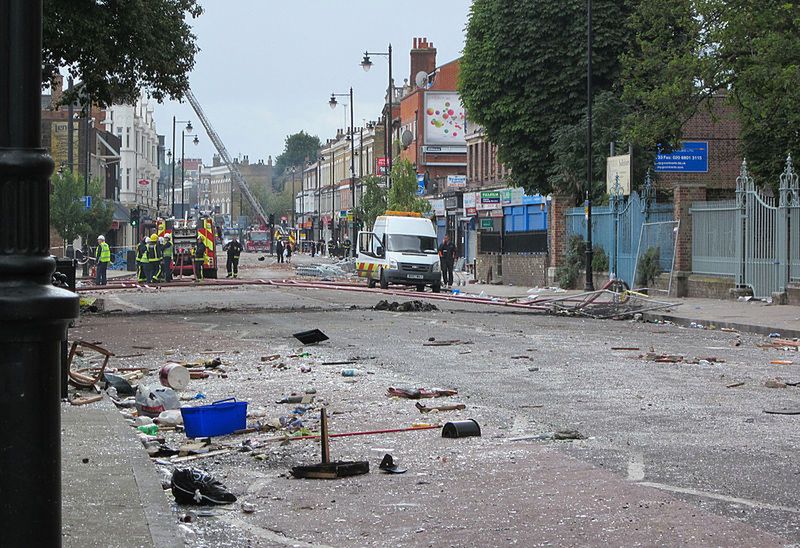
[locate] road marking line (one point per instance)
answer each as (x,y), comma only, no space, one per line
(716,496)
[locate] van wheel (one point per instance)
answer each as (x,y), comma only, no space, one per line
(370,283)
(384,281)
(436,288)
(420,288)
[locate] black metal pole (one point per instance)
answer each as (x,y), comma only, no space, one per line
(589,175)
(352,170)
(173,166)
(333,195)
(319,199)
(390,120)
(35,315)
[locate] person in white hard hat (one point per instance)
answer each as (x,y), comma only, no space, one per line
(103,258)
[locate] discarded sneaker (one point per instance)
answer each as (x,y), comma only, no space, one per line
(195,486)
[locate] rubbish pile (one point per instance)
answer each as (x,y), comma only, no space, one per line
(603,304)
(325,271)
(408,306)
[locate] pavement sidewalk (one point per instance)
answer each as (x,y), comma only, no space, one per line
(111,494)
(751,316)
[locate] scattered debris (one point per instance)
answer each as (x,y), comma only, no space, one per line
(734,385)
(220,418)
(388,465)
(195,486)
(781,362)
(312,336)
(248,507)
(625,348)
(775,383)
(557,435)
(408,306)
(453,342)
(783,411)
(271,358)
(151,402)
(417,393)
(327,469)
(79,379)
(521,358)
(174,375)
(461,429)
(85,400)
(602,304)
(454,407)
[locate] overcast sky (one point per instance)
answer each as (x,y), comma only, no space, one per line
(266,68)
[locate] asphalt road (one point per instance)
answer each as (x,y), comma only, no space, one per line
(673,456)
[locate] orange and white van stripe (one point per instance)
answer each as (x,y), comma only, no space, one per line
(364,268)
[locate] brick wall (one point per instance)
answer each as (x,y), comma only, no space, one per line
(683,196)
(525,270)
(720,127)
(557,231)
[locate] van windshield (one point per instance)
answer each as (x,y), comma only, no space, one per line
(406,243)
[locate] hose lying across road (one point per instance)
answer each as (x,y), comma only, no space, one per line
(337,286)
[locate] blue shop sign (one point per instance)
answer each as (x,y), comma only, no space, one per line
(692,158)
(420,184)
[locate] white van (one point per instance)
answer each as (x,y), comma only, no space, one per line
(401,249)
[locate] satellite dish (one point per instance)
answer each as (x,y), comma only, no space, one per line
(421,79)
(406,138)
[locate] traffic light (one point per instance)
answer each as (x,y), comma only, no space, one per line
(135,217)
(271,219)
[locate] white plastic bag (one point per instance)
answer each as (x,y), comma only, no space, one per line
(151,402)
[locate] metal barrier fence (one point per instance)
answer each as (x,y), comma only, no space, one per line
(617,227)
(754,239)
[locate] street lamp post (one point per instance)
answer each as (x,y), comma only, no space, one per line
(589,175)
(184,135)
(293,171)
(36,314)
(351,132)
(188,128)
(320,159)
(333,195)
(366,64)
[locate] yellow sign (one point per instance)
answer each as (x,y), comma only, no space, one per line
(58,143)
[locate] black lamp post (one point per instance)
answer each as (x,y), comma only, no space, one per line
(589,175)
(35,315)
(351,135)
(333,193)
(188,128)
(184,135)
(319,197)
(366,64)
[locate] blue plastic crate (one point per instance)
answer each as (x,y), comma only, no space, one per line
(220,418)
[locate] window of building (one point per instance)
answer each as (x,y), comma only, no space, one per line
(128,179)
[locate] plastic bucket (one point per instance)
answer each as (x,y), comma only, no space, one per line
(461,429)
(174,375)
(218,419)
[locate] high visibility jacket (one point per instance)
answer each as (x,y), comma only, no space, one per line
(153,254)
(141,253)
(168,249)
(199,252)
(103,253)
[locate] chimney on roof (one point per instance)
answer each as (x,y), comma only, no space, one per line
(216,161)
(423,58)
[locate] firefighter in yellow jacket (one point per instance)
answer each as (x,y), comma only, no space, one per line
(141,261)
(199,258)
(153,259)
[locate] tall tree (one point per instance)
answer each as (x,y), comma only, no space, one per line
(69,217)
(372,203)
(687,50)
(523,74)
(117,48)
(403,194)
(299,148)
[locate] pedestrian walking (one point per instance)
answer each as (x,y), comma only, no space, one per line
(279,250)
(234,249)
(313,248)
(103,256)
(198,258)
(168,253)
(288,252)
(447,258)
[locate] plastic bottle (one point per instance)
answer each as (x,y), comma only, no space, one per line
(171,417)
(352,372)
(149,429)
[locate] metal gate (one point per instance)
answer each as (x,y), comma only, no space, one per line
(767,235)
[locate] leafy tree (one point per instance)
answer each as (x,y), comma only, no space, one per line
(568,148)
(523,74)
(299,148)
(117,48)
(403,194)
(688,50)
(66,208)
(67,213)
(277,202)
(373,202)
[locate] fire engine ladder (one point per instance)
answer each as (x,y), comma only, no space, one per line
(223,152)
